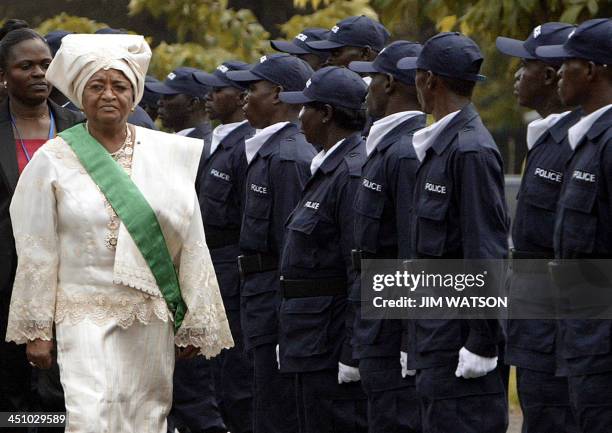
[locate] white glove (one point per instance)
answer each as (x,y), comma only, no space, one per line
(277,357)
(404,363)
(347,373)
(471,365)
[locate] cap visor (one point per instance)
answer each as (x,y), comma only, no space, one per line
(161,89)
(324,45)
(513,47)
(362,67)
(288,47)
(553,52)
(407,63)
(209,80)
(294,98)
(242,76)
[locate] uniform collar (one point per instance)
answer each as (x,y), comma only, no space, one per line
(537,129)
(428,137)
(335,158)
(466,114)
(221,132)
(320,157)
(256,143)
(383,131)
(589,126)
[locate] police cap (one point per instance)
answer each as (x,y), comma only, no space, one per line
(331,85)
(591,40)
(449,54)
(179,81)
(219,77)
(545,34)
(386,61)
(358,31)
(282,69)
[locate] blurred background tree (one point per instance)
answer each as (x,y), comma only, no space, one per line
(203,33)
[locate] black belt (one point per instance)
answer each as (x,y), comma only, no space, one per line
(312,288)
(255,263)
(218,238)
(568,273)
(358,255)
(530,262)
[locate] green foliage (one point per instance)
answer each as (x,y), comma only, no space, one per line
(326,17)
(167,57)
(69,23)
(211,24)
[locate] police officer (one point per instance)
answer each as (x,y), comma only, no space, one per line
(583,229)
(530,344)
(194,405)
(460,213)
(220,188)
(181,107)
(382,202)
(278,157)
(316,319)
(354,38)
(150,100)
(299,48)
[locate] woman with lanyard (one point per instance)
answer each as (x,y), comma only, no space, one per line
(27,119)
(113,264)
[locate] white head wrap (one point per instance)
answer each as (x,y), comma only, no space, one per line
(80,56)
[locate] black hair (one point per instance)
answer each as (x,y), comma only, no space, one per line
(458,86)
(12,24)
(14,37)
(345,118)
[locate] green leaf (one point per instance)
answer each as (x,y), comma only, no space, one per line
(571,14)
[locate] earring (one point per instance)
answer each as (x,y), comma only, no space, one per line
(4,84)
(133,108)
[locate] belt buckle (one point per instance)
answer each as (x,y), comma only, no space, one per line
(356,258)
(240,257)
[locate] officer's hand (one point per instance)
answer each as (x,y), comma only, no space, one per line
(40,353)
(471,365)
(277,356)
(347,373)
(404,363)
(186,352)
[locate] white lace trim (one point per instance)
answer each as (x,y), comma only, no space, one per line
(102,309)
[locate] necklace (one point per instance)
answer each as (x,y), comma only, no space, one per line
(123,157)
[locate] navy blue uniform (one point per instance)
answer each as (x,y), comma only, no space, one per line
(382,201)
(583,231)
(194,402)
(531,344)
(220,188)
(459,212)
(316,329)
(275,178)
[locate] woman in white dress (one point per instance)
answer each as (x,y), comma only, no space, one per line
(112,256)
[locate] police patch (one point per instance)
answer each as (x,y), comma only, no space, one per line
(432,187)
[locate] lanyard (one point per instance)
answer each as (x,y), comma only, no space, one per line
(23,146)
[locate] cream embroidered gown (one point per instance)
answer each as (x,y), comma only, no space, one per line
(80,270)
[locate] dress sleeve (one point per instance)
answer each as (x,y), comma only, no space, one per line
(205,325)
(34,220)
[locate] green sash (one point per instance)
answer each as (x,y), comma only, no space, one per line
(133,210)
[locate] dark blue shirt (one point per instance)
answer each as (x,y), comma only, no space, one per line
(316,331)
(531,343)
(382,208)
(220,182)
(459,213)
(583,229)
(538,194)
(274,181)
